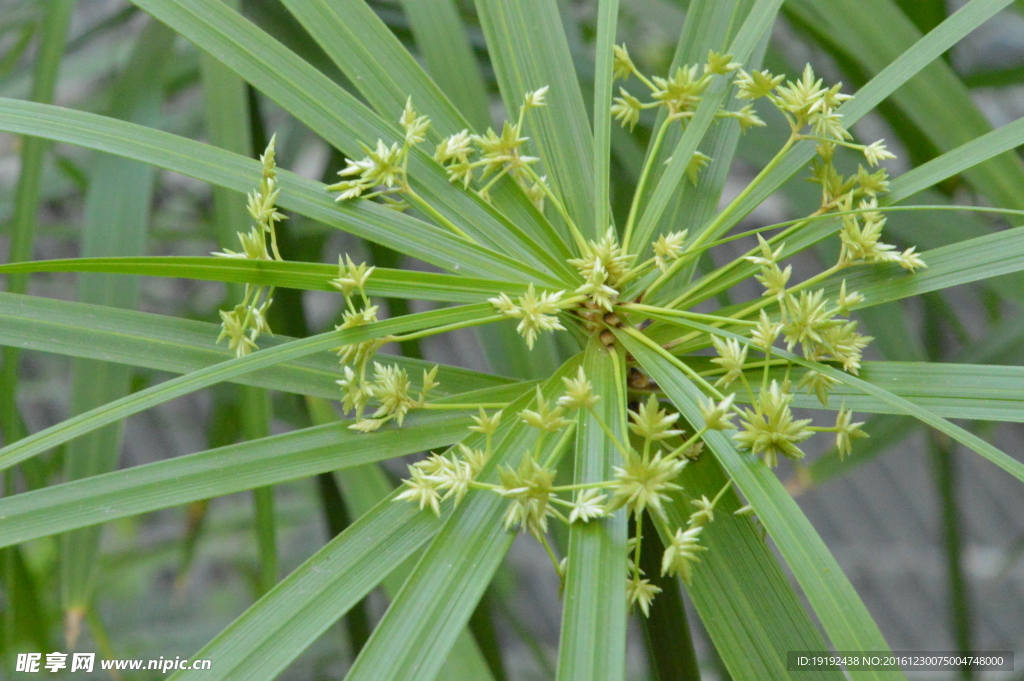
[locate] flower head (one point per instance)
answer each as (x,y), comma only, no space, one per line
(641,592)
(579,392)
(651,422)
(643,484)
(681,553)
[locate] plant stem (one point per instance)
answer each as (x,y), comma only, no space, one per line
(489,319)
(432,212)
(642,183)
(451,406)
(709,231)
(581,242)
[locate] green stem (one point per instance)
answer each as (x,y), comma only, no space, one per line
(640,307)
(634,207)
(490,319)
(450,406)
(437,216)
(581,242)
(720,220)
(608,431)
(583,485)
(686,445)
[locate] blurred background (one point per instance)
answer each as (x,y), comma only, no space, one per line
(931,536)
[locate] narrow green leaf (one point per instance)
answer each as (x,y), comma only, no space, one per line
(592,645)
(182,385)
(325,107)
(842,614)
(117,211)
(874,33)
(268,636)
(708,26)
(22,605)
(962,391)
(972,260)
(741,593)
(958,160)
(26,198)
(445,47)
(307,276)
(225,470)
(306,197)
(366,486)
(424,620)
(607,19)
(529,51)
(993,454)
(386,74)
(887,81)
(901,405)
(758,23)
(180,346)
(982,258)
(228,126)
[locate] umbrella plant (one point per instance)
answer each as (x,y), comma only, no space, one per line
(646,457)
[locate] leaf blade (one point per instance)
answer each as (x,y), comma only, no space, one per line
(592,645)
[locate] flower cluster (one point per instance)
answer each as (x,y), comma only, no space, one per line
(645,481)
(384,169)
(617,291)
(679,95)
(390,386)
(466,157)
(536,312)
(243,324)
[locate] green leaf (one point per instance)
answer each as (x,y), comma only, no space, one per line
(24,221)
(24,615)
(592,645)
(971,260)
(981,258)
(26,201)
(223,371)
(445,47)
(228,126)
(363,488)
(180,346)
(607,18)
(902,406)
(226,470)
(757,24)
(899,404)
(386,74)
(117,210)
(529,50)
(962,391)
(326,108)
(307,276)
(841,612)
(286,621)
(424,620)
(741,593)
(708,26)
(306,197)
(960,159)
